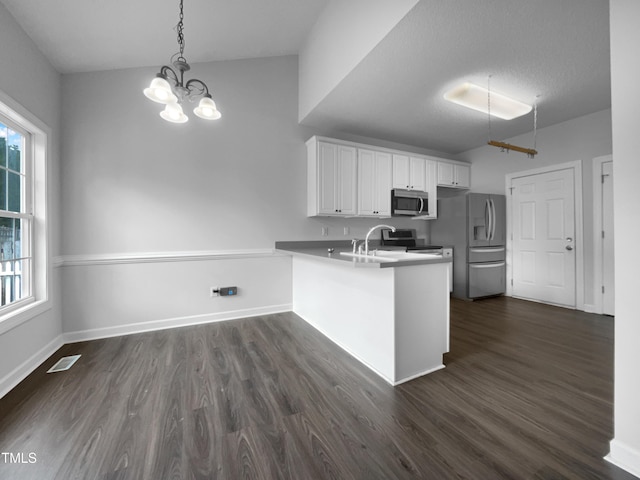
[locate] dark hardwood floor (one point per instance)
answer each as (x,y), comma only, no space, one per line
(527,394)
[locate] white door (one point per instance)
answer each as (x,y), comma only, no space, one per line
(543,247)
(607,240)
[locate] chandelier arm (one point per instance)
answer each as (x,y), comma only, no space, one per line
(200,89)
(168,72)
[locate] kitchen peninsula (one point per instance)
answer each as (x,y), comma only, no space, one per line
(390,311)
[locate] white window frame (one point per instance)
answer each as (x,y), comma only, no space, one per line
(37,145)
(25,214)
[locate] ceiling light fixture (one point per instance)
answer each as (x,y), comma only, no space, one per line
(170,89)
(507,147)
(475,97)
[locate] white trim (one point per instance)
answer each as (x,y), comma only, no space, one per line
(590,308)
(160,257)
(597,228)
(41,145)
(625,457)
(14,318)
(579,221)
(107,332)
(23,370)
(417,375)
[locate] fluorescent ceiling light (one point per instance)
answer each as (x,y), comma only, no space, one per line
(475,97)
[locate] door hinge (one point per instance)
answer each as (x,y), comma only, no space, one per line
(602,233)
(512,282)
(603,289)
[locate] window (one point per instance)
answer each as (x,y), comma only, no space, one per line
(16,216)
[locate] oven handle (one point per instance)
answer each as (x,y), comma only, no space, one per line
(421,204)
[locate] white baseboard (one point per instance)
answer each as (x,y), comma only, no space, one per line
(625,457)
(94,334)
(589,308)
(21,372)
(418,375)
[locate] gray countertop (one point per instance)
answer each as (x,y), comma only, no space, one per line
(319,250)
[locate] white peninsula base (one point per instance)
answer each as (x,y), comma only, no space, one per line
(394,320)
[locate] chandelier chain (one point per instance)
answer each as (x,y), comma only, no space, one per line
(179,29)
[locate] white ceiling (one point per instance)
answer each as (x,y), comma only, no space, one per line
(90,35)
(558,49)
(555,49)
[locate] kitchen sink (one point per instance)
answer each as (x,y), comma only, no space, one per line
(370,257)
(392,255)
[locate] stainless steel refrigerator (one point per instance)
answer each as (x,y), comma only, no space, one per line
(474,224)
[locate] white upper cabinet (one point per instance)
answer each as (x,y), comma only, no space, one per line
(374,183)
(452,174)
(431,169)
(409,172)
(331,184)
(353,179)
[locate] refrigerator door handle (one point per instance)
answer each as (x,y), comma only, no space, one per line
(487,265)
(486,250)
(493,219)
(487,219)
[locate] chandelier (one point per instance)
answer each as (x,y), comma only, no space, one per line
(169,88)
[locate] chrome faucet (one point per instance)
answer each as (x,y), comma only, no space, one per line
(357,246)
(366,239)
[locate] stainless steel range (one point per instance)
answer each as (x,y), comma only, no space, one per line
(406,239)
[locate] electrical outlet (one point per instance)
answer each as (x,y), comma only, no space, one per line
(214,292)
(325,231)
(346,231)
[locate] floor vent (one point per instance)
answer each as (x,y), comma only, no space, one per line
(65,363)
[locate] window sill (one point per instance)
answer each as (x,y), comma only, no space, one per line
(22,314)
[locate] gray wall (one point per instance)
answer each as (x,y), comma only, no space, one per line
(30,85)
(137,186)
(583,138)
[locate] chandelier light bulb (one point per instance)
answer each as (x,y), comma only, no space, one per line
(173,113)
(207,109)
(160,91)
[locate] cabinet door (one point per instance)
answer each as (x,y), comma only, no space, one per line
(327,176)
(401,172)
(445,174)
(462,176)
(417,177)
(382,199)
(431,169)
(366,182)
(336,179)
(347,166)
(374,183)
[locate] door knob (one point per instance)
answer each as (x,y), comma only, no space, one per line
(569,247)
(569,239)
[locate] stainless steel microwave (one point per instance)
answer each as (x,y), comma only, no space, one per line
(411,203)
